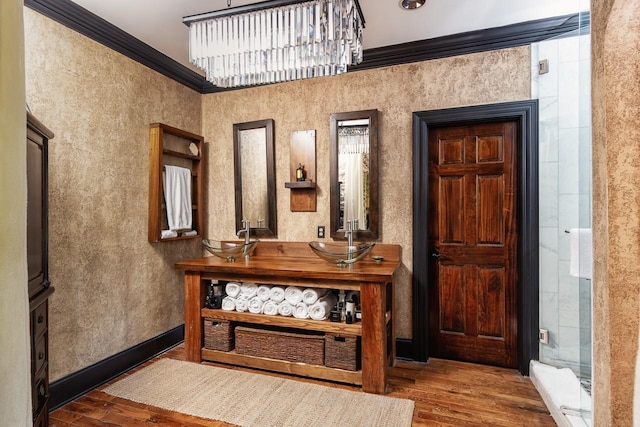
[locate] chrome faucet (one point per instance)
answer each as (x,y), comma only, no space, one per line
(246,230)
(351,226)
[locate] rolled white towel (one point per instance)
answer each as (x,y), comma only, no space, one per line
(242,305)
(276,294)
(293,294)
(190,233)
(285,309)
(270,308)
(264,293)
(322,308)
(301,311)
(249,289)
(232,289)
(311,295)
(228,303)
(255,305)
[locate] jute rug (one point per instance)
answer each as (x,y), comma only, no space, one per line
(248,399)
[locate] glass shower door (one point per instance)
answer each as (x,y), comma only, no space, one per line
(561,81)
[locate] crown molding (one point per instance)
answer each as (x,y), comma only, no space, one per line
(514,35)
(84,22)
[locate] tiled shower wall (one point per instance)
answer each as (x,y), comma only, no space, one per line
(565,187)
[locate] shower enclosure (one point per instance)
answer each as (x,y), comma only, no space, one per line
(561,81)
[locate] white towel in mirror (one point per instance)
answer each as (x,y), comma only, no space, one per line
(177,195)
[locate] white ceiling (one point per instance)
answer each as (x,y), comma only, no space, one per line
(158,23)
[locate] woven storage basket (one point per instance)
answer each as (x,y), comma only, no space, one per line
(342,351)
(279,345)
(218,334)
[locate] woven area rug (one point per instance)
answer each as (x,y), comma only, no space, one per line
(248,399)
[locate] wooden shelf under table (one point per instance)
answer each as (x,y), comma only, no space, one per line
(294,368)
(286,322)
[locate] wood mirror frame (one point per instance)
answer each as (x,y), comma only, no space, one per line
(371,233)
(270,227)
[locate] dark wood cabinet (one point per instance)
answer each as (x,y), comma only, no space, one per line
(40,288)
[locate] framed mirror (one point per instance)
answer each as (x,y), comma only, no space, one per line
(254,173)
(353,173)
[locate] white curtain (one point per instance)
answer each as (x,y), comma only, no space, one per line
(354,208)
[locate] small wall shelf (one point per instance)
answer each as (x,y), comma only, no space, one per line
(173,146)
(300,184)
(302,151)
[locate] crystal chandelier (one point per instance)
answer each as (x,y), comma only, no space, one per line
(276,41)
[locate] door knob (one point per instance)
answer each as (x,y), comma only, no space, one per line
(436,253)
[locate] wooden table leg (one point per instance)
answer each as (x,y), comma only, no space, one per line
(194,295)
(374,338)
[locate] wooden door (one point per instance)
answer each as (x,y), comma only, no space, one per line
(473,243)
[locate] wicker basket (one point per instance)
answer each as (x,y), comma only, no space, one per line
(342,351)
(292,347)
(218,334)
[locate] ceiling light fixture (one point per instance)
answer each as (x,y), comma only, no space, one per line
(411,4)
(275,41)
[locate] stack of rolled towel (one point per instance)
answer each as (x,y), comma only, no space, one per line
(314,303)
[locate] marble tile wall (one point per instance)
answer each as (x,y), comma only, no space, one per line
(565,182)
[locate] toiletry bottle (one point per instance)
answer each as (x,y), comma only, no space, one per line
(334,315)
(351,308)
(342,305)
(300,172)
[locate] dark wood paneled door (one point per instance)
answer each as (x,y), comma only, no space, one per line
(473,237)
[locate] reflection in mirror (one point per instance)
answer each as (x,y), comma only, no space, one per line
(254,171)
(353,169)
(353,173)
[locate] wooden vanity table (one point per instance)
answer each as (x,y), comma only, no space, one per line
(294,264)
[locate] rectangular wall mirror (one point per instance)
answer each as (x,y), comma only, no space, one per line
(354,174)
(254,173)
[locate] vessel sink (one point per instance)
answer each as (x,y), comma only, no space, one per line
(227,250)
(341,254)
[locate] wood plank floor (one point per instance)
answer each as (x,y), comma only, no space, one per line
(447,393)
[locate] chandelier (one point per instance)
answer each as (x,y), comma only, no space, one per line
(275,41)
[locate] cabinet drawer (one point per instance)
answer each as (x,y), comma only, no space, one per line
(39,354)
(39,320)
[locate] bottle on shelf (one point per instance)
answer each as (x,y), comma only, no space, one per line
(300,173)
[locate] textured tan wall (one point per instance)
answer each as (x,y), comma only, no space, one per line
(15,367)
(113,288)
(616,206)
(497,76)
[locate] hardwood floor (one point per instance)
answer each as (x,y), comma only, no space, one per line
(447,393)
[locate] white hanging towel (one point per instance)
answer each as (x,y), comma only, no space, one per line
(177,195)
(580,255)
